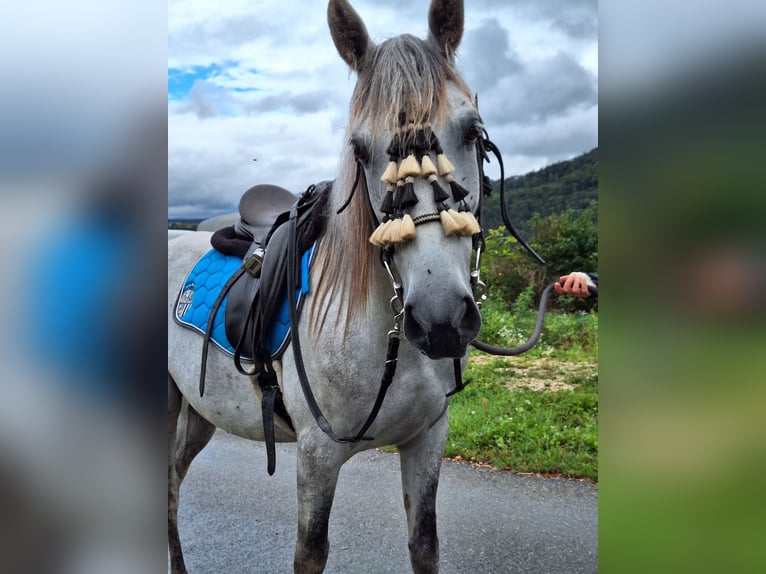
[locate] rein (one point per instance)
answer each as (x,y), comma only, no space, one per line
(392,352)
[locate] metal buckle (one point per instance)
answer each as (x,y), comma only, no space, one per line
(254,263)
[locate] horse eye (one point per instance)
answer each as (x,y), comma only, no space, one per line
(474,132)
(361,153)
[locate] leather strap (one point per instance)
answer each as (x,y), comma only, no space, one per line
(268,397)
(391,356)
(209,327)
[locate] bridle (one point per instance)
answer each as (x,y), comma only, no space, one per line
(396,303)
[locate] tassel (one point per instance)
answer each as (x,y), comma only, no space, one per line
(470,225)
(377,236)
(459,193)
(394,149)
(407,228)
(440,196)
(427,167)
(392,232)
(408,197)
(421,141)
(445,166)
(451,221)
(409,167)
(390,175)
(387,206)
(397,195)
(433,143)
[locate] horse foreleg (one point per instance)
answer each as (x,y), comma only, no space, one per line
(421,461)
(317,478)
(188,433)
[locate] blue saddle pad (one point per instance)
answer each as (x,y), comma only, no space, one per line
(204,283)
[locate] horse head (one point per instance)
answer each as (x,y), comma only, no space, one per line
(413,130)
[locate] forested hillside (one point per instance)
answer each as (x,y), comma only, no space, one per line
(571,184)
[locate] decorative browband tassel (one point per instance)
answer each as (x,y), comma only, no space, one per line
(387,206)
(409,167)
(427,167)
(470,225)
(391,173)
(392,232)
(444,165)
(440,196)
(377,236)
(406,229)
(459,193)
(408,197)
(452,223)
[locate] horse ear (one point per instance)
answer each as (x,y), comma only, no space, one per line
(349,33)
(445,23)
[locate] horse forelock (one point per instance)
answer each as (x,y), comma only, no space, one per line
(402,75)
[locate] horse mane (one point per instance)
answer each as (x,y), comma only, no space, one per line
(402,75)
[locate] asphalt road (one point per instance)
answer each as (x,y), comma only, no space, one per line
(235,519)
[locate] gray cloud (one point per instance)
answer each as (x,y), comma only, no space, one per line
(301,103)
(489,55)
(536,93)
(578,19)
(555,86)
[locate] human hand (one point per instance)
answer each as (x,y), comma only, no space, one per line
(575,283)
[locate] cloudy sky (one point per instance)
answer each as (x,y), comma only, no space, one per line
(262,80)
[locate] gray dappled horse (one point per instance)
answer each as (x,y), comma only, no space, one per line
(407,90)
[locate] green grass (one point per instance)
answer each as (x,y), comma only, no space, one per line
(525,430)
(536,412)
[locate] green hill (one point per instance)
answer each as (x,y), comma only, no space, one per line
(571,184)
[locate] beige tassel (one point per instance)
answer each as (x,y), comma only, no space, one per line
(451,221)
(377,236)
(392,232)
(407,228)
(390,175)
(445,166)
(427,167)
(470,225)
(409,167)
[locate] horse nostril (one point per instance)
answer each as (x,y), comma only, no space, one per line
(470,322)
(413,330)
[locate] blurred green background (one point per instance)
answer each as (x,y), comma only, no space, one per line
(682,202)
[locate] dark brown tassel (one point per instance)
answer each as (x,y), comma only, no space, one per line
(394,149)
(397,196)
(387,206)
(421,142)
(459,193)
(440,195)
(408,197)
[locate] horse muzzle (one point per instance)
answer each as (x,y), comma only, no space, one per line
(443,335)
